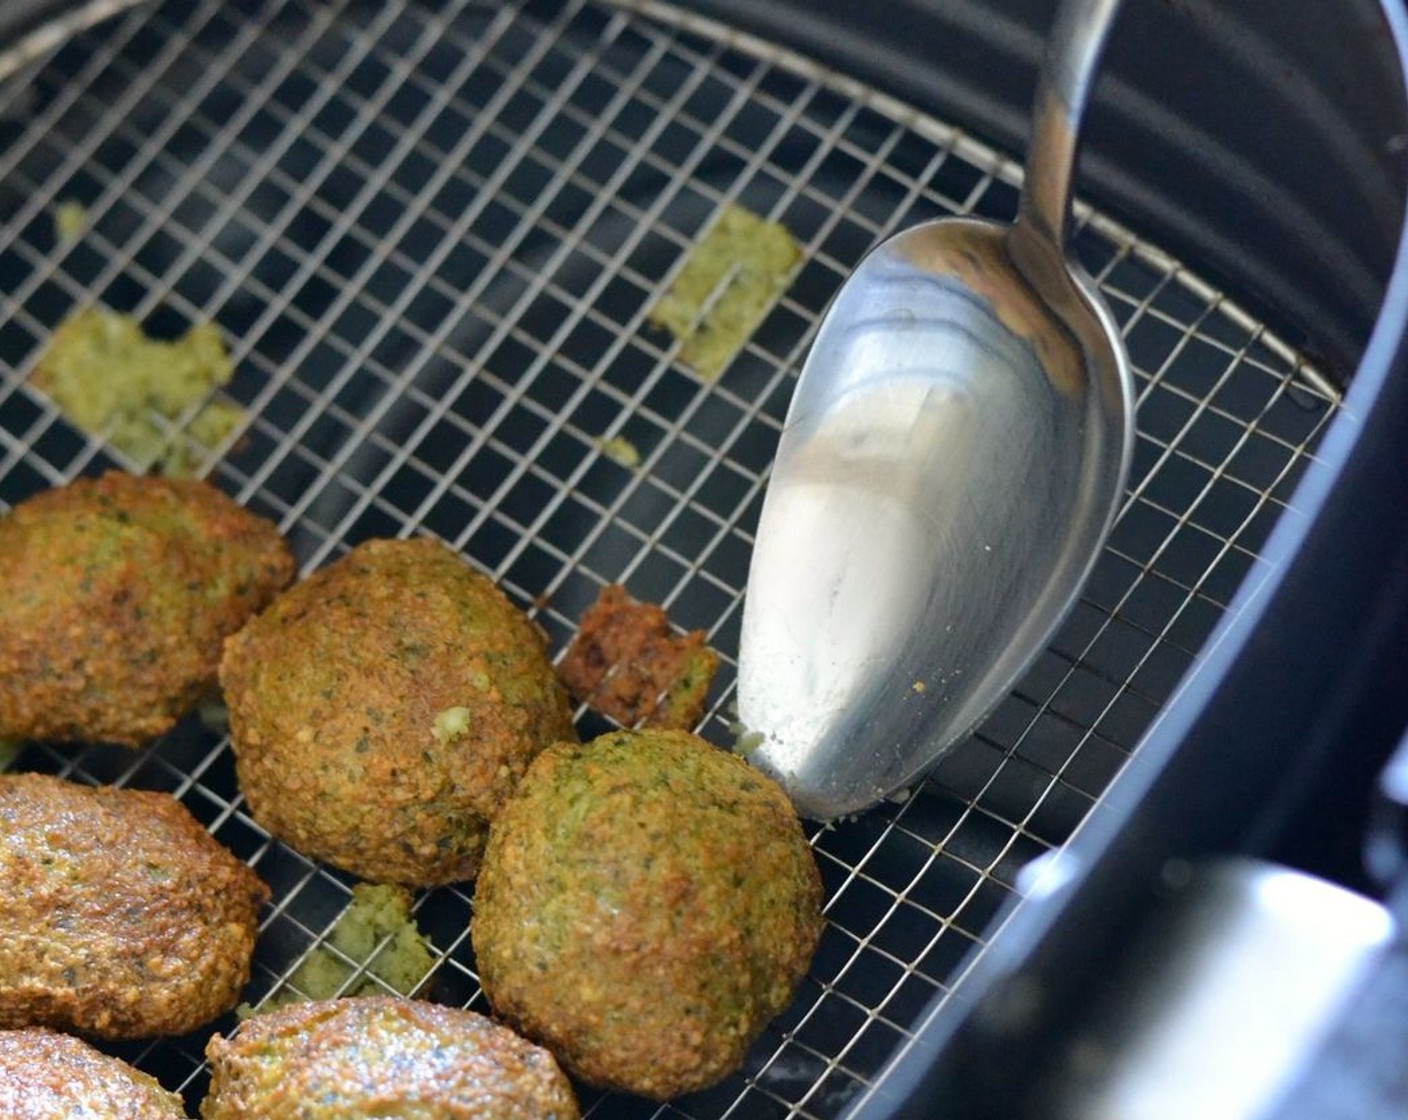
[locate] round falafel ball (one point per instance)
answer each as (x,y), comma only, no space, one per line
(647,904)
(117,595)
(381,1056)
(383,709)
(45,1075)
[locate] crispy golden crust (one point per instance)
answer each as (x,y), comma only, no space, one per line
(334,693)
(49,1076)
(647,904)
(117,595)
(382,1056)
(626,663)
(120,916)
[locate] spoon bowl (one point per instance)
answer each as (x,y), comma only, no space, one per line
(955,451)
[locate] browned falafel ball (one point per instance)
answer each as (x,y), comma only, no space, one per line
(120,916)
(647,904)
(45,1075)
(381,1056)
(383,709)
(117,595)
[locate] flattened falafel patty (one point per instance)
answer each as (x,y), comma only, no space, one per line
(120,916)
(381,1056)
(383,710)
(45,1075)
(647,904)
(117,595)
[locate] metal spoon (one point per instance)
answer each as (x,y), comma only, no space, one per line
(954,453)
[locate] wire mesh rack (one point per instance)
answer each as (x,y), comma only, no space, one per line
(431,232)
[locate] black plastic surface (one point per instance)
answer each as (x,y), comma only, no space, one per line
(1386,845)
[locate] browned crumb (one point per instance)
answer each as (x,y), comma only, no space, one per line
(626,663)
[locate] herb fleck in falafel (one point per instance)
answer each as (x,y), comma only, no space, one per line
(120,916)
(381,1056)
(45,1075)
(334,694)
(117,595)
(647,904)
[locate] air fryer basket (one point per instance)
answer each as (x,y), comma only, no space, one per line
(431,232)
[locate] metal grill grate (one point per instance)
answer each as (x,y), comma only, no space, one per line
(431,232)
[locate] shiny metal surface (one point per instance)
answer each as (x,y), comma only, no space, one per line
(1227,985)
(951,463)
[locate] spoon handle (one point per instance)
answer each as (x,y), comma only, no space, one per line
(1063,90)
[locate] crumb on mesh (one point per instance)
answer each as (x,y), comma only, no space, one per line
(620,450)
(111,379)
(70,220)
(627,664)
(377,913)
(734,275)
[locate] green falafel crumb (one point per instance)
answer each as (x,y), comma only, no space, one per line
(208,428)
(70,220)
(109,378)
(214,716)
(731,280)
(215,421)
(451,724)
(9,751)
(377,912)
(620,450)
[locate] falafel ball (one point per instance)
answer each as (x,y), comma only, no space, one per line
(120,916)
(647,904)
(118,593)
(45,1075)
(383,710)
(381,1056)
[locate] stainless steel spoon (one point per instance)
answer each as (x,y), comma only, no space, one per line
(954,453)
